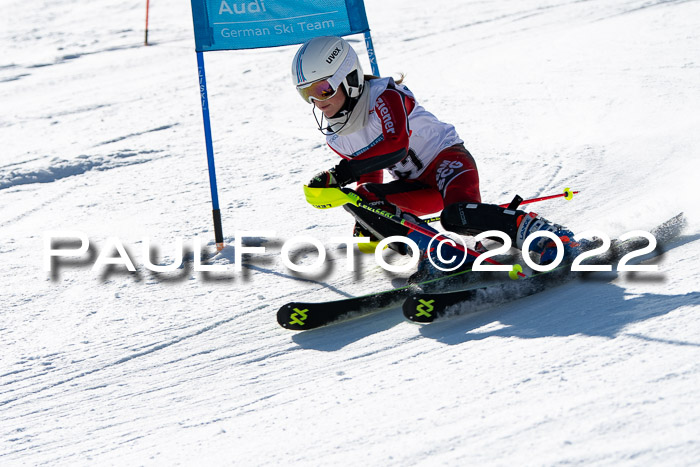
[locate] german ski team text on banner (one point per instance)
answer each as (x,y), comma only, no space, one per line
(235,24)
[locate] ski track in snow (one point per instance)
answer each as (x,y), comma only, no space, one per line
(59,169)
(104,136)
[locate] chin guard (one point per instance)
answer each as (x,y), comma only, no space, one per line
(325,198)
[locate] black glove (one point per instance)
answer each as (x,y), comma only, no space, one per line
(323,180)
(343,173)
(338,176)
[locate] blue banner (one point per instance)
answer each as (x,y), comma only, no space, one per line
(236,24)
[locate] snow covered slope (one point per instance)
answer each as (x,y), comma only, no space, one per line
(104,136)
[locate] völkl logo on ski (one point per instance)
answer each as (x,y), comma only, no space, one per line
(298,317)
(425,307)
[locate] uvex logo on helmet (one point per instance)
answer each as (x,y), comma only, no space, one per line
(333,54)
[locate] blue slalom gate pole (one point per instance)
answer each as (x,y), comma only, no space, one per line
(218,231)
(370,53)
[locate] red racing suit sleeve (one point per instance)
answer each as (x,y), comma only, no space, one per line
(373,177)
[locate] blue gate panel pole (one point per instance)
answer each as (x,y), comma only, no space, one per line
(218,230)
(370,54)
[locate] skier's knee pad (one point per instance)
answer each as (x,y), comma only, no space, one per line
(474,218)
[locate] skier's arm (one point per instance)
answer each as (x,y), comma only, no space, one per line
(373,177)
(392,108)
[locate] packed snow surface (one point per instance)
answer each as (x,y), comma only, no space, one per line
(102,136)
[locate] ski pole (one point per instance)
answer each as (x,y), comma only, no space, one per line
(567,194)
(334,197)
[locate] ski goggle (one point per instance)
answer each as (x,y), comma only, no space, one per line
(318,90)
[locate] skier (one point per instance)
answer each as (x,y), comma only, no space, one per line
(376,124)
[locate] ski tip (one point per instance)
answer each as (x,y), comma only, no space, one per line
(294,317)
(419,309)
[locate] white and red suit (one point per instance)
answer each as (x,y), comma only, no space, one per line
(425,156)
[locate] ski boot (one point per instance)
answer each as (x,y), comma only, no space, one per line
(544,249)
(427,270)
(474,218)
(450,262)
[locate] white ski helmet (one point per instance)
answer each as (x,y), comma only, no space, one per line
(328,58)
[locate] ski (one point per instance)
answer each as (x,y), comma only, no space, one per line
(299,316)
(425,307)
